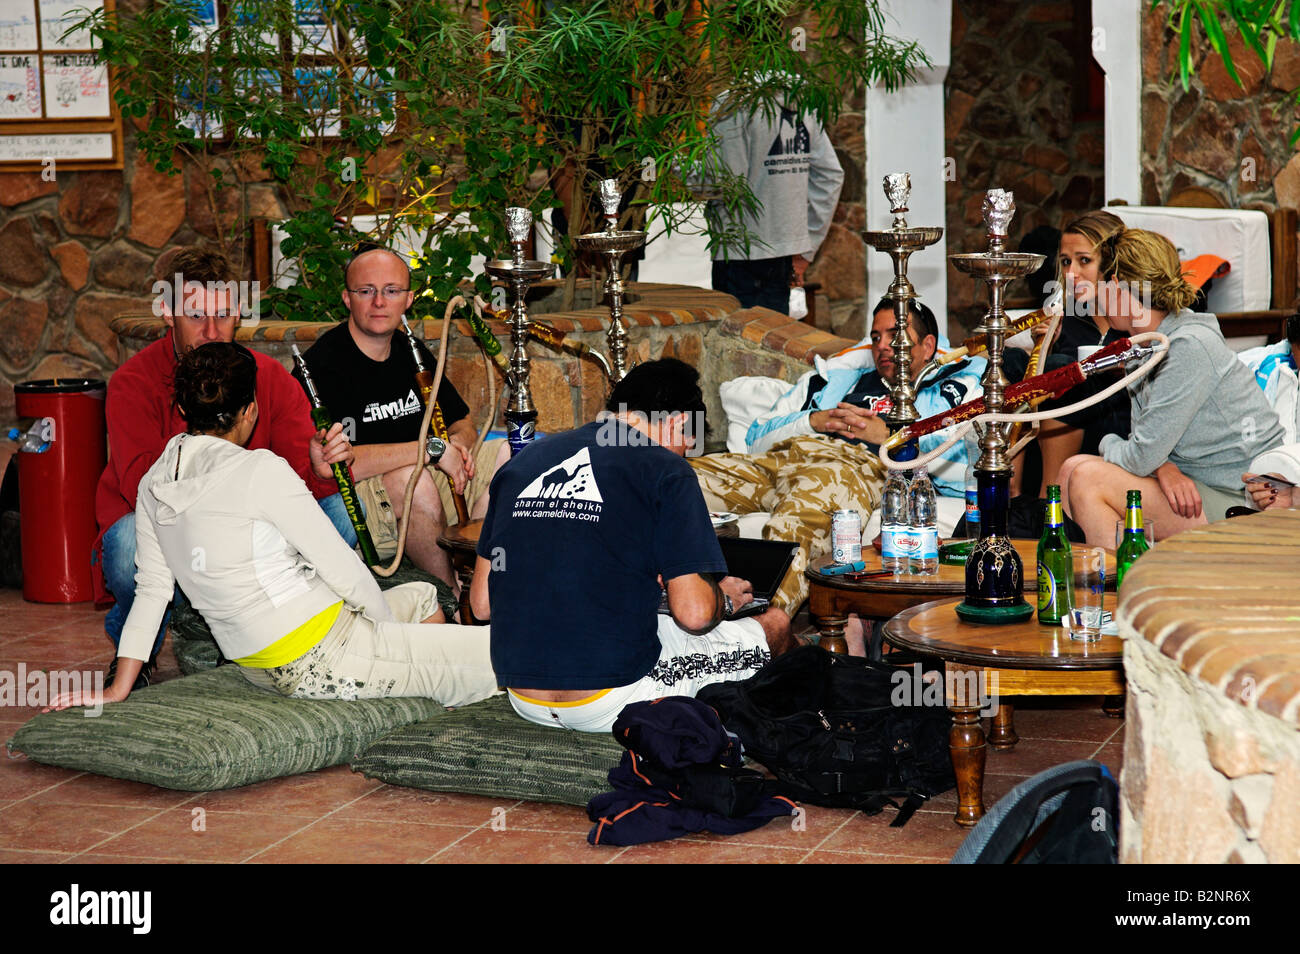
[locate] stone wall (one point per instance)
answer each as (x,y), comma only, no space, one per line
(1229,139)
(1011,123)
(79,250)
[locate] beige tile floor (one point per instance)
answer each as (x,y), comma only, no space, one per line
(54,815)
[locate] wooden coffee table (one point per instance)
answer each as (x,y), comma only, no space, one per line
(1019,659)
(832,598)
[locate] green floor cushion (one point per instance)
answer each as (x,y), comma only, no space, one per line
(211,731)
(487,749)
(196,651)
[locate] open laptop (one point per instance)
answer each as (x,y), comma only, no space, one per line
(763,563)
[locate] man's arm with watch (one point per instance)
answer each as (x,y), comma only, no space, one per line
(698,602)
(372,459)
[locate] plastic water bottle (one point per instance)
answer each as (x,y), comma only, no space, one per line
(893,523)
(922,525)
(36,439)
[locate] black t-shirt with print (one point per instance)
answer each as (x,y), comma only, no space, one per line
(380,397)
(580,525)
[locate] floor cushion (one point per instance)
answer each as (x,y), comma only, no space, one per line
(487,749)
(196,651)
(212,730)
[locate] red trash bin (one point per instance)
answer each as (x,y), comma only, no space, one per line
(56,487)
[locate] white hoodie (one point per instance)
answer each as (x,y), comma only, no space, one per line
(246,541)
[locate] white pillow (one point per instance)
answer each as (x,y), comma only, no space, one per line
(743,400)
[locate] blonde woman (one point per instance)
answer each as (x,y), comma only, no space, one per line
(1197,420)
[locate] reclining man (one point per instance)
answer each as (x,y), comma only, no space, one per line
(365,375)
(142,417)
(815,451)
(584,531)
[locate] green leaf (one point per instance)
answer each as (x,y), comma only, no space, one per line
(1185,50)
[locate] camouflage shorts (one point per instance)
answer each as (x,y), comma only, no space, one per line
(800,482)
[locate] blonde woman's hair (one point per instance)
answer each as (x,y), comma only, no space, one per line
(1147,260)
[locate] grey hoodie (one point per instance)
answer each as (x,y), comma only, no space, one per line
(793,173)
(246,541)
(1200,409)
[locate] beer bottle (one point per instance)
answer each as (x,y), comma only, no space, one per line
(320,416)
(1055,564)
(1134,543)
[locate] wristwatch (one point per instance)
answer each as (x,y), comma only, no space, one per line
(434,448)
(727,606)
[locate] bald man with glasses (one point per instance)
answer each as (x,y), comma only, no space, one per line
(365,375)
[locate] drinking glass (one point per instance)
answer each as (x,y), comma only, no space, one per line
(1084,619)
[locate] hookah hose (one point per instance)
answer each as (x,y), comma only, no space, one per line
(403,524)
(1034,416)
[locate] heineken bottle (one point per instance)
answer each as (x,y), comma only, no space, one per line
(1055,564)
(1134,543)
(342,474)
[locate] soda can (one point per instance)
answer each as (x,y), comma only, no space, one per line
(846,536)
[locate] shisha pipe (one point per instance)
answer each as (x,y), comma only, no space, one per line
(613,243)
(899,242)
(521,413)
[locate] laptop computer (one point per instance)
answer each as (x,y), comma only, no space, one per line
(763,563)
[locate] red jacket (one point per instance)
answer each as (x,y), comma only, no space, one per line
(142,418)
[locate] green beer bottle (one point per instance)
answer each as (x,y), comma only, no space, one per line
(1055,564)
(1134,543)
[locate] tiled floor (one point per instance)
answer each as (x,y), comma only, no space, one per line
(53,815)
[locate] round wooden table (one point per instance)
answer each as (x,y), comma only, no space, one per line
(984,663)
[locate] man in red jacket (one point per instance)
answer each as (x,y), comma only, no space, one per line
(142,417)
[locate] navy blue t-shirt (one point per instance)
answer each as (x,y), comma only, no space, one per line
(580,525)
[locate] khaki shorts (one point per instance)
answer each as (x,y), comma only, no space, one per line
(381,517)
(1215,501)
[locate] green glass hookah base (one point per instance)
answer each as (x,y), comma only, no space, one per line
(995,615)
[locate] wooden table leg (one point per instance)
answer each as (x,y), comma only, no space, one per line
(1113,706)
(966,743)
(830,618)
(1003,735)
(830,633)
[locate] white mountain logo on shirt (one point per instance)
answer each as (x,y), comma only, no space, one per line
(393,409)
(570,479)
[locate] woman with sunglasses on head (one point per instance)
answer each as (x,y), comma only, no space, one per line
(1198,418)
(285,597)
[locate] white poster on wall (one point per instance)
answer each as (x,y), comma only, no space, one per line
(20,86)
(57,18)
(76,87)
(17,25)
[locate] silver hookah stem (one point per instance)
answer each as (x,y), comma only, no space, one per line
(616,336)
(519,222)
(898,189)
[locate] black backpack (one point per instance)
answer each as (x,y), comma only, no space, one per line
(826,725)
(1067,814)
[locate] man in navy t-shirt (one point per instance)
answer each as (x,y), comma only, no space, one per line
(581,529)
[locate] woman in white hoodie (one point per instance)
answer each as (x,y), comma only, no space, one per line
(284,596)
